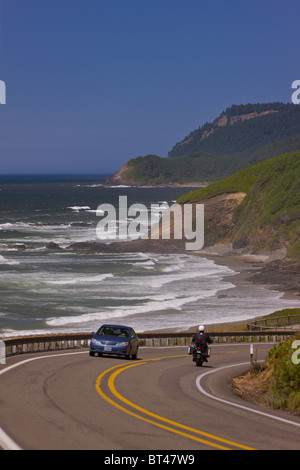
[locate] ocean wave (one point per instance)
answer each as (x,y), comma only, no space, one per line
(79,208)
(6,261)
(6,226)
(33,235)
(88,185)
(81,279)
(33,226)
(10,333)
(125,311)
(117,186)
(161,280)
(142,263)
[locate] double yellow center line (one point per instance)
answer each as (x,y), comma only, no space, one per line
(160,421)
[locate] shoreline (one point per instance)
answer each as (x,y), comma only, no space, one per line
(136,184)
(245,265)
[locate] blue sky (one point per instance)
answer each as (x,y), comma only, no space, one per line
(93,83)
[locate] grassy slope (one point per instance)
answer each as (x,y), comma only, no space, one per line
(273,201)
(283,383)
(278,384)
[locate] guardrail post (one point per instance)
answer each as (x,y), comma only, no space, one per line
(251,353)
(2,353)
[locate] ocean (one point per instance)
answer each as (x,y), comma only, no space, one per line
(62,291)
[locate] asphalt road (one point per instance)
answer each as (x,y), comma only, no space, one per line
(162,401)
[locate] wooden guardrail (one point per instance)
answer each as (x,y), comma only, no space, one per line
(41,343)
(274,323)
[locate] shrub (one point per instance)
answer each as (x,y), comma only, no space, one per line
(282,389)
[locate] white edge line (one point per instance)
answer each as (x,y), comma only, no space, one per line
(5,441)
(201,389)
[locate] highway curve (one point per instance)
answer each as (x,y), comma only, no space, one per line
(69,400)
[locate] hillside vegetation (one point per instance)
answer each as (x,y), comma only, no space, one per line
(243,130)
(277,148)
(202,167)
(268,215)
(241,136)
(277,384)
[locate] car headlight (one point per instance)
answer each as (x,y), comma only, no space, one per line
(125,343)
(95,341)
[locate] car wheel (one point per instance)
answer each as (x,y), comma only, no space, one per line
(134,356)
(127,356)
(92,353)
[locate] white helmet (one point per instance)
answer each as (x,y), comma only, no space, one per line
(201,328)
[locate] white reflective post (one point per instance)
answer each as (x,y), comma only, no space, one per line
(2,353)
(251,353)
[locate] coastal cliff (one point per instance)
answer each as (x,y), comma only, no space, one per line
(257,211)
(254,211)
(240,137)
(265,201)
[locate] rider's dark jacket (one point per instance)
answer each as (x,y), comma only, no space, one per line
(201,339)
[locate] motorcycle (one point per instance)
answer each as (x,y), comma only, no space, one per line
(199,353)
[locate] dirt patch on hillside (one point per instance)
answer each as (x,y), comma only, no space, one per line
(251,386)
(218,214)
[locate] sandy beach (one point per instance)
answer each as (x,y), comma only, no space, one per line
(246,266)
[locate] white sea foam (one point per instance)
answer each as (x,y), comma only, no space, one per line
(33,226)
(9,332)
(81,279)
(159,281)
(89,185)
(6,226)
(118,186)
(111,312)
(6,261)
(79,208)
(40,235)
(142,263)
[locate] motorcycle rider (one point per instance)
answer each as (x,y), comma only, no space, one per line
(201,339)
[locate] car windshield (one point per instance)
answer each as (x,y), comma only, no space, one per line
(113,331)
